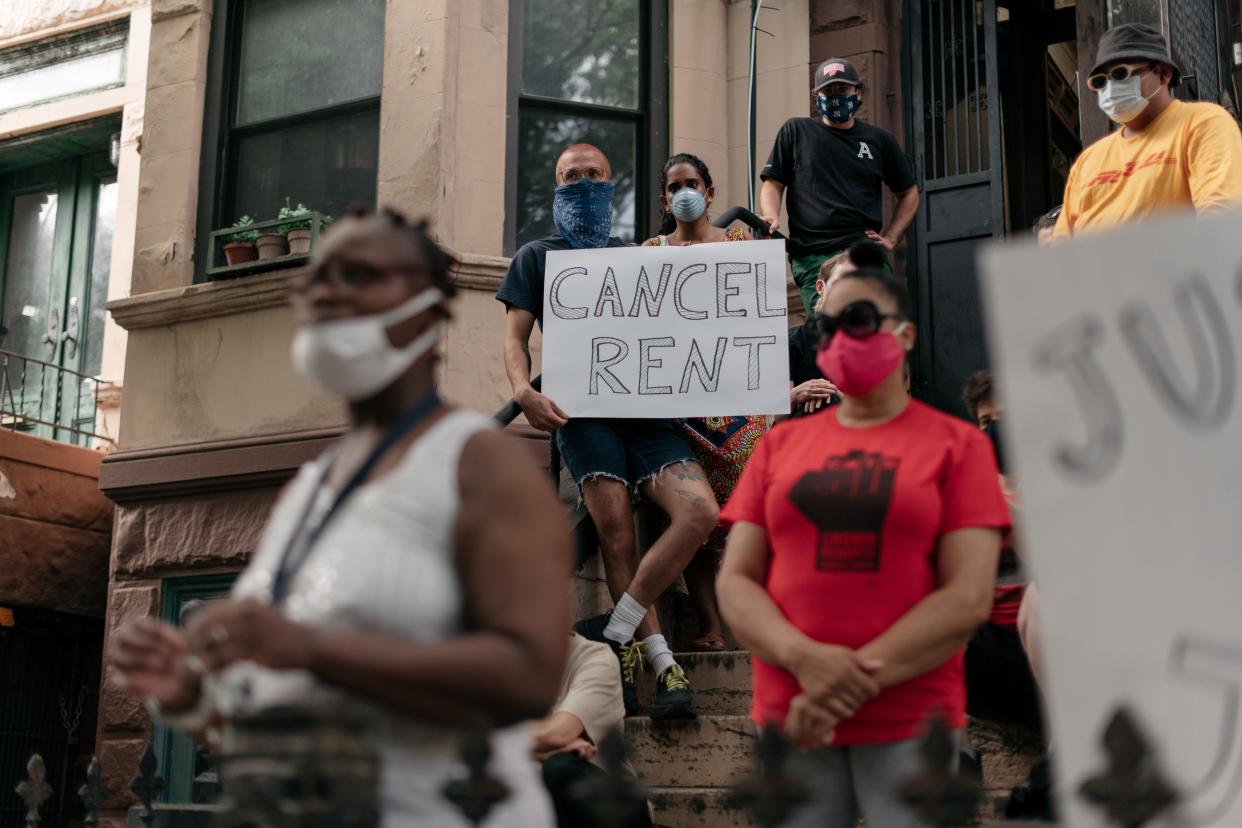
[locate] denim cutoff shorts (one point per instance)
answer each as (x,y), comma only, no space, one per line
(629,451)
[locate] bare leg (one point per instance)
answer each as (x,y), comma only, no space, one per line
(1028,620)
(701,584)
(608,502)
(682,492)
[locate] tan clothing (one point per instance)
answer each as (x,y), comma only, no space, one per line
(591,689)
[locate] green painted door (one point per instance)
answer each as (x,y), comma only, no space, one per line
(56,226)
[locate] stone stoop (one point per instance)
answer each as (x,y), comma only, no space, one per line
(689,767)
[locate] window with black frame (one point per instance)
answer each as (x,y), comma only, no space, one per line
(297,117)
(593,71)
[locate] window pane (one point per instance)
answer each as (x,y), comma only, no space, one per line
(1134,11)
(28,273)
(325,165)
(69,77)
(582,50)
(541,137)
(101,264)
(299,55)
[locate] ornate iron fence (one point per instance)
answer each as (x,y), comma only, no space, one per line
(48,400)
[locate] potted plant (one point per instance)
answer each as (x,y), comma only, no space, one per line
(272,245)
(297,227)
(239,247)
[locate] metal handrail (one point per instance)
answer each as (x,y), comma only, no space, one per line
(30,387)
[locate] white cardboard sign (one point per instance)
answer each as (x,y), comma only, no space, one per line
(1120,359)
(667,331)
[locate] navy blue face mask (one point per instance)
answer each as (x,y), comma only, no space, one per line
(837,108)
(582,212)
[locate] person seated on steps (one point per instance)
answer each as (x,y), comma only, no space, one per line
(1000,684)
(612,460)
(566,741)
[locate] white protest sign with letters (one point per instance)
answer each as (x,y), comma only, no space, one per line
(1119,361)
(690,331)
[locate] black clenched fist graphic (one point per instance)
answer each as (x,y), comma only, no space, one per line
(847,501)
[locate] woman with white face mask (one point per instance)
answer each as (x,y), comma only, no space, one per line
(411,580)
(862,557)
(722,444)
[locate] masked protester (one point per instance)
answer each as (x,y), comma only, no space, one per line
(1165,155)
(831,171)
(722,444)
(862,557)
(410,582)
(612,459)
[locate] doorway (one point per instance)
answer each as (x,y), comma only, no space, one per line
(57,219)
(992,114)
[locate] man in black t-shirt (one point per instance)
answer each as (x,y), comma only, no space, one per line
(833,168)
(612,459)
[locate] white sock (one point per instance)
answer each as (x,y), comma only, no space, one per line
(626,616)
(659,656)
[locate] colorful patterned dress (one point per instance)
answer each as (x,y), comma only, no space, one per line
(723,444)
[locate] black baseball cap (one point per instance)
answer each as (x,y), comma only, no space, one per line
(1135,41)
(835,70)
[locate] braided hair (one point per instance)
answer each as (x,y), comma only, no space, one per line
(669,224)
(439,262)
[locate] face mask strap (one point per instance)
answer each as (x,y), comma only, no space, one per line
(413,306)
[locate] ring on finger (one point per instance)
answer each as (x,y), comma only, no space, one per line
(220,634)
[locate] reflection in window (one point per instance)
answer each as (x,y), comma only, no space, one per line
(301,55)
(28,273)
(541,137)
(302,122)
(582,50)
(101,264)
(1134,11)
(583,80)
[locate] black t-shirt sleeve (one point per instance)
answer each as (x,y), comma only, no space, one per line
(522,286)
(780,166)
(897,173)
(802,367)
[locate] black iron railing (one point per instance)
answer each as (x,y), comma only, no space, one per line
(48,400)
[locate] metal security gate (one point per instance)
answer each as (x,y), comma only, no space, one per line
(955,131)
(1194,38)
(49,679)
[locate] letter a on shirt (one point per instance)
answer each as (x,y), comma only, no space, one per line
(864,151)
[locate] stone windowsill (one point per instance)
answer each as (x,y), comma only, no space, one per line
(266,290)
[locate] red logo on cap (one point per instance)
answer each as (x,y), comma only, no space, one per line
(831,69)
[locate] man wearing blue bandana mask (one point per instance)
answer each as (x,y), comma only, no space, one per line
(831,172)
(612,459)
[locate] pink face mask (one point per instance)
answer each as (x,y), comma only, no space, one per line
(856,366)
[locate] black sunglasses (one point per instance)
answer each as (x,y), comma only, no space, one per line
(859,320)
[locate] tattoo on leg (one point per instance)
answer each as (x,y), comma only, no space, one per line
(688,471)
(690,497)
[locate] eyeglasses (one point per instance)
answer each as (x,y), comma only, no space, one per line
(1099,80)
(858,320)
(347,278)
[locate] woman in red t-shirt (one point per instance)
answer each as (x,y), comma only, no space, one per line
(862,556)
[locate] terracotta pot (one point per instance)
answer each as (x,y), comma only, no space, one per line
(299,240)
(272,246)
(239,252)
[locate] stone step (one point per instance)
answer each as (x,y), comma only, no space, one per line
(721,682)
(707,752)
(696,808)
(709,808)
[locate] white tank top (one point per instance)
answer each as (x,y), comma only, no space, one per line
(385,564)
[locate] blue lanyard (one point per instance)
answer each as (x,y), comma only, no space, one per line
(308,531)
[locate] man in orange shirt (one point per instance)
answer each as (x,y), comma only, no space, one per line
(1167,155)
